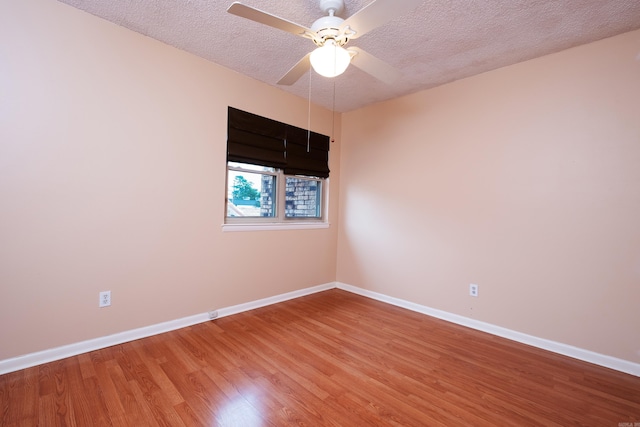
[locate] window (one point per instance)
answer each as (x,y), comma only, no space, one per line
(276,173)
(251,191)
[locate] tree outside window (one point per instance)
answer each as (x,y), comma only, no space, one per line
(244,192)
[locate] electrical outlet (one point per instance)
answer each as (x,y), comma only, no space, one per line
(105,299)
(473,290)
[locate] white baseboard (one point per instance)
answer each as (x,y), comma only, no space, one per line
(274,300)
(556,347)
(45,356)
(38,358)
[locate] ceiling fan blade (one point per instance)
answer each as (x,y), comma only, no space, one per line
(374,66)
(377,13)
(265,18)
(296,71)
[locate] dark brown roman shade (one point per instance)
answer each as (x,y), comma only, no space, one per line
(257,140)
(254,139)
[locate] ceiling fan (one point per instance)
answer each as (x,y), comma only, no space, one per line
(330,33)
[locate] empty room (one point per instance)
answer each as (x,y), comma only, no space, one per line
(341,213)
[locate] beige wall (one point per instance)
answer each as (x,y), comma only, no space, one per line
(112,169)
(524,180)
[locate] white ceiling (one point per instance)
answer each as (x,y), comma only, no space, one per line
(439,42)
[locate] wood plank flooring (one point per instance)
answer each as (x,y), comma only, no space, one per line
(327,359)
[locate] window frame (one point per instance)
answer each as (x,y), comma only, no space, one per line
(279,220)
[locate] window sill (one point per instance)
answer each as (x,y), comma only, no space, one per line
(275,226)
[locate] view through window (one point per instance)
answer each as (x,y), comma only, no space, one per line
(255,191)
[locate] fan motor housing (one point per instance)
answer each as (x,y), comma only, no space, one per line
(327,26)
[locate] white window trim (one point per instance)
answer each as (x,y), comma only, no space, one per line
(275,226)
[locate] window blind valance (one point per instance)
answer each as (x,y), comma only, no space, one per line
(261,141)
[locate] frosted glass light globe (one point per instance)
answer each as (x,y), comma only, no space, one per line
(330,60)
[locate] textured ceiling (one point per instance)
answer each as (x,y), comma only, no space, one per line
(439,42)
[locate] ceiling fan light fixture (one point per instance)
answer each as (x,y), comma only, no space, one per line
(330,59)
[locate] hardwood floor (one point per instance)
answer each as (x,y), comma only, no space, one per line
(327,359)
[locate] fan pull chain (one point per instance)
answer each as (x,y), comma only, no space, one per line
(333,114)
(309,115)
